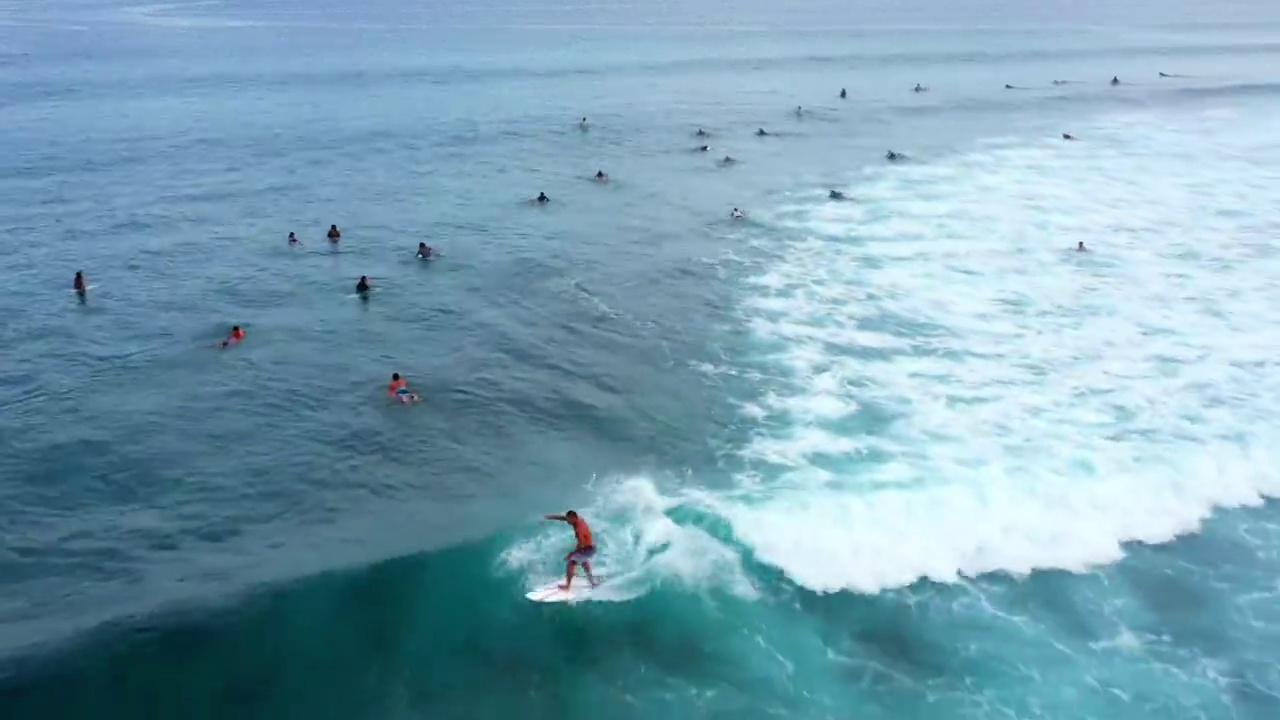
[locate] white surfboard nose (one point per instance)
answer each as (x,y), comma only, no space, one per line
(552,592)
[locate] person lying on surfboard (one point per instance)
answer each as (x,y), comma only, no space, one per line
(581,554)
(399,389)
(233,337)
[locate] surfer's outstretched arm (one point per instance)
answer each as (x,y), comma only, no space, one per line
(560,518)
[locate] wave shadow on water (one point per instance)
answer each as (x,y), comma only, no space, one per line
(416,634)
(442,635)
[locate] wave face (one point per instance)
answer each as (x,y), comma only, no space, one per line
(907,455)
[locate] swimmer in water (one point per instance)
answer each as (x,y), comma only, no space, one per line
(894,156)
(424,252)
(542,199)
(799,111)
(843,94)
(736,214)
(1069,136)
(761,133)
(334,234)
(1115,80)
(584,548)
(919,88)
(700,133)
(293,240)
(835,195)
(601,177)
(233,337)
(1080,247)
(703,148)
(399,389)
(79,284)
(728,160)
(362,286)
(582,123)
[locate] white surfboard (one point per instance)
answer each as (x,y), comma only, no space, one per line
(551,592)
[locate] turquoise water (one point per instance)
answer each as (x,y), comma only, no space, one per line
(904,456)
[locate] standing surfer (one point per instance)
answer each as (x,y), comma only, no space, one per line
(582,553)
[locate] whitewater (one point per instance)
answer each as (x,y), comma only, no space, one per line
(951,388)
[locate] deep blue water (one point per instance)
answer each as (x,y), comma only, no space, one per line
(902,456)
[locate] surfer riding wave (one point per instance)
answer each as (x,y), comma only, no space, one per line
(582,552)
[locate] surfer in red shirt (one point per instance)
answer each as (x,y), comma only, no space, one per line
(235,336)
(581,554)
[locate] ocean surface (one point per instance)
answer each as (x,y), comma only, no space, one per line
(904,456)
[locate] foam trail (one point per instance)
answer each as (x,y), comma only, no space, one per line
(955,391)
(640,547)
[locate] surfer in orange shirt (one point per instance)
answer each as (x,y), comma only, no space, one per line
(399,389)
(581,554)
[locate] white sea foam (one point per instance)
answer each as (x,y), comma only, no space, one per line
(641,547)
(172,15)
(963,393)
